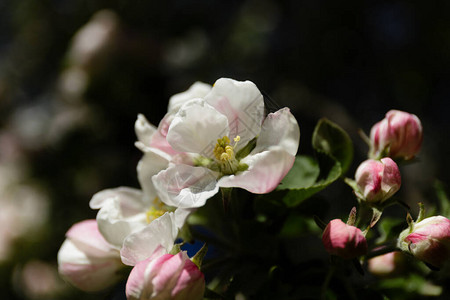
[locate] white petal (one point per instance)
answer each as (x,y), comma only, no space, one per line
(196,128)
(242,103)
(129,195)
(116,222)
(150,164)
(181,215)
(70,253)
(122,211)
(185,186)
(144,130)
(142,244)
(197,90)
(279,129)
(265,172)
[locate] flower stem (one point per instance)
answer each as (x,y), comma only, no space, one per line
(226,197)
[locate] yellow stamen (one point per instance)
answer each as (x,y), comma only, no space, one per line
(225,156)
(153,213)
(223,151)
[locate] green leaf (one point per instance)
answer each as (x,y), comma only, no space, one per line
(332,140)
(303,174)
(309,176)
(306,178)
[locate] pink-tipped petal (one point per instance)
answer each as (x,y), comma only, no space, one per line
(136,288)
(279,129)
(86,236)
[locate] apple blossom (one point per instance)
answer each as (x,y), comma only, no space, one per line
(219,131)
(377,180)
(87,260)
(136,221)
(428,241)
(344,240)
(398,135)
(170,277)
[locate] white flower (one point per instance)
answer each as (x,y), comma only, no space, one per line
(213,130)
(135,221)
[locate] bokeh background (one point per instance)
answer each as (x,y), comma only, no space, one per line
(75,74)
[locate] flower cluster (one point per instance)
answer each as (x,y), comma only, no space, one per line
(212,137)
(216,138)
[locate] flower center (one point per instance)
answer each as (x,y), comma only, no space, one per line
(155,211)
(225,156)
(223,151)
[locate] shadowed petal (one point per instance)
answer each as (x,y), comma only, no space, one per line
(185,186)
(143,243)
(279,129)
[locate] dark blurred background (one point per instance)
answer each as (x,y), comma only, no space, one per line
(75,74)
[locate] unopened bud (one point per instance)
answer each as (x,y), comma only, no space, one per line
(398,135)
(87,260)
(344,240)
(166,277)
(377,180)
(429,240)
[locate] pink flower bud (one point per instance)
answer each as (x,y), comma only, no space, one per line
(388,264)
(87,260)
(429,241)
(377,180)
(168,277)
(344,240)
(398,135)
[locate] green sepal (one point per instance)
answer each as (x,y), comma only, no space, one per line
(352,217)
(176,249)
(421,215)
(376,215)
(198,257)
